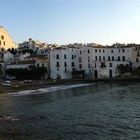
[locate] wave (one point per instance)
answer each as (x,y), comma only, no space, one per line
(47,90)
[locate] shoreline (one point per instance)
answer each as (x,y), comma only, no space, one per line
(17,86)
(49,89)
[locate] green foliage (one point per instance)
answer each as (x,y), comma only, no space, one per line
(136,71)
(26,74)
(124,68)
(12,50)
(27,51)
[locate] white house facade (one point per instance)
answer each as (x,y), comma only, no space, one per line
(95,61)
(62,62)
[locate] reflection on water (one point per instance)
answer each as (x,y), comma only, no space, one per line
(101,111)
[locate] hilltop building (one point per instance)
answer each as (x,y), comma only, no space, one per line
(31,45)
(6,41)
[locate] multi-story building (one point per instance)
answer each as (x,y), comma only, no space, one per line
(67,60)
(31,45)
(105,60)
(95,61)
(62,62)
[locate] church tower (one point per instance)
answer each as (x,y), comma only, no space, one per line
(6,41)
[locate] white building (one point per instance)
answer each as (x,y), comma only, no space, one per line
(31,45)
(62,62)
(65,60)
(105,60)
(8,57)
(95,61)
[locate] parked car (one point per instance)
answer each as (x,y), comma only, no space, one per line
(27,81)
(7,83)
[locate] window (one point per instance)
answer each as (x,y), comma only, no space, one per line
(88,58)
(112,58)
(99,58)
(80,52)
(72,64)
(110,64)
(123,50)
(137,60)
(103,51)
(95,50)
(95,65)
(96,58)
(80,66)
(99,50)
(104,58)
(123,58)
(65,69)
(119,50)
(80,59)
(88,51)
(37,65)
(57,64)
(65,56)
(65,64)
(108,58)
(72,56)
(57,56)
(111,51)
(119,58)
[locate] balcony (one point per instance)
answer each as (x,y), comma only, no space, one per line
(118,59)
(103,65)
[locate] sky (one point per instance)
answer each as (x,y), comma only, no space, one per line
(71,21)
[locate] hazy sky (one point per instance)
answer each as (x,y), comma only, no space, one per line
(68,21)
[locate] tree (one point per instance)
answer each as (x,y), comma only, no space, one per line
(136,71)
(34,73)
(125,68)
(12,50)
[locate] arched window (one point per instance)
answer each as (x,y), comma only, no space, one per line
(2,37)
(57,56)
(65,56)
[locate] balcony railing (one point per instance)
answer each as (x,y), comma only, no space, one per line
(103,65)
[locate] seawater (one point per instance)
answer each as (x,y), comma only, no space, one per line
(104,111)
